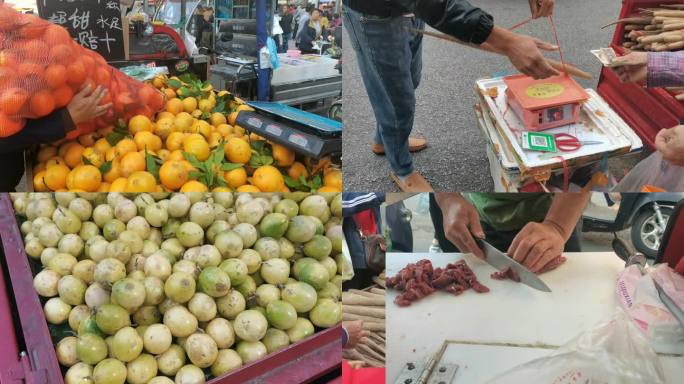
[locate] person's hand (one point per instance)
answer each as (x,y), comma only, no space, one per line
(670,143)
(524,54)
(541,8)
(356,333)
(85,106)
(537,244)
(461,222)
(632,67)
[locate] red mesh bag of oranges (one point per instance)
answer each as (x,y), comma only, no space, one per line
(42,68)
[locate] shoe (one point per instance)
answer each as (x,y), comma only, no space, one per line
(415,144)
(414,183)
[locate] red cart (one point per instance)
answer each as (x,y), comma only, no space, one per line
(27,353)
(647,111)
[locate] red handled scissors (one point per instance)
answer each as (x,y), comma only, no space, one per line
(569,143)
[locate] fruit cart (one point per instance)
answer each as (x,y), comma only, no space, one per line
(517,167)
(28,355)
(645,110)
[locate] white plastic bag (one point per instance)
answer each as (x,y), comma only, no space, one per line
(615,352)
(344,263)
(639,297)
(655,171)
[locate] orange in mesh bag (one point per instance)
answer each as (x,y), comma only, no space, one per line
(42,68)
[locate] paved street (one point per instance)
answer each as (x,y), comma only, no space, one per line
(456,160)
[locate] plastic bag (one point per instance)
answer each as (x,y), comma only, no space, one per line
(42,67)
(654,171)
(615,352)
(345,266)
(638,296)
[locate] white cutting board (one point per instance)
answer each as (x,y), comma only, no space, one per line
(583,295)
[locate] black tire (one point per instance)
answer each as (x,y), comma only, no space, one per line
(642,224)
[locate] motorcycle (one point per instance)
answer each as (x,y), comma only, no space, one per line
(647,214)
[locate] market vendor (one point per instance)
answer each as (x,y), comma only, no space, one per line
(389,57)
(84,107)
(665,168)
(532,228)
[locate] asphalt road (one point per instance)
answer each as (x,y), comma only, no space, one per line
(456,159)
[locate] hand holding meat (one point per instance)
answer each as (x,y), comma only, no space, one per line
(670,142)
(537,244)
(461,222)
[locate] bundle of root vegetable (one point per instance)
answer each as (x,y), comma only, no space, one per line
(654,29)
(367,305)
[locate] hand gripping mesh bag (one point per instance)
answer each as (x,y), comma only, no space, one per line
(42,68)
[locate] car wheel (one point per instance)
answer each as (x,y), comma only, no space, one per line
(646,233)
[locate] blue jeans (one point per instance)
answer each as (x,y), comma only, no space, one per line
(286,40)
(390,61)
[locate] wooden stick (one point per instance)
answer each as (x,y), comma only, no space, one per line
(351,317)
(365,311)
(364,293)
(674,26)
(669,13)
(631,20)
(352,299)
(377,338)
(374,326)
(375,346)
(567,68)
(378,291)
(363,348)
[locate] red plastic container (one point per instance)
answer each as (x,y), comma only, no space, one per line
(545,104)
(304,362)
(647,111)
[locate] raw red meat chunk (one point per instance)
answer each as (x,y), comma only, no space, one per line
(421,279)
(506,273)
(509,273)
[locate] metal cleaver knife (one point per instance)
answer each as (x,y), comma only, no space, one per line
(500,261)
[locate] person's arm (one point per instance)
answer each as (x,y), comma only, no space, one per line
(48,129)
(538,243)
(461,222)
(472,25)
(355,202)
(82,108)
(665,69)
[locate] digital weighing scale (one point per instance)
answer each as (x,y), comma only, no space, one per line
(545,104)
(303,132)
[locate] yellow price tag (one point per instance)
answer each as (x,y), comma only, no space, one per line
(544,90)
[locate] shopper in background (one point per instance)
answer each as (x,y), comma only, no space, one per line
(303,22)
(533,228)
(277,31)
(205,27)
(286,27)
(390,62)
(84,107)
(361,216)
(312,32)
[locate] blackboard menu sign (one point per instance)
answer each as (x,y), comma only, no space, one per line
(95,24)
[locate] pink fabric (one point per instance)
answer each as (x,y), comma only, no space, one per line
(665,69)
